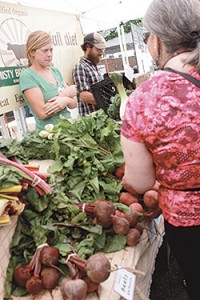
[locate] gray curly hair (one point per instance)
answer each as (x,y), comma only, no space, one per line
(177,24)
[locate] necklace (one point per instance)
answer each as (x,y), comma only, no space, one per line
(173,55)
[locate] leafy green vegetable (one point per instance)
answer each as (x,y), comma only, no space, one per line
(117,78)
(86,151)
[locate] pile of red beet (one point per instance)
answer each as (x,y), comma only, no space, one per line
(148,204)
(85,275)
(123,223)
(41,273)
(82,276)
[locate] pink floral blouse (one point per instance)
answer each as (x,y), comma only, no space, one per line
(164,113)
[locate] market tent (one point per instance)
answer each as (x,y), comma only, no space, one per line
(94,15)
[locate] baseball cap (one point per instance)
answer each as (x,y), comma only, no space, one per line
(96,39)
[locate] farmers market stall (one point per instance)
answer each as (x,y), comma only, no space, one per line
(70,172)
(141,257)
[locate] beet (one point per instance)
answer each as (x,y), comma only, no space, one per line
(34,285)
(73,289)
(98,267)
(120,225)
(127,198)
(49,277)
(91,285)
(119,172)
(150,199)
(132,237)
(137,207)
(103,212)
(132,217)
(21,275)
(140,228)
(49,256)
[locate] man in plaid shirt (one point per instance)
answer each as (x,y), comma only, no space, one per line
(86,73)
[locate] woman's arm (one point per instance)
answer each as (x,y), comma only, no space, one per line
(67,98)
(36,99)
(58,103)
(54,105)
(139,167)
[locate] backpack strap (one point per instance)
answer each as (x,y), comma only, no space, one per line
(187,76)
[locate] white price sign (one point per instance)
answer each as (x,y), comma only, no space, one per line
(125,284)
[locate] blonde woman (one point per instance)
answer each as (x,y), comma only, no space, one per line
(43,86)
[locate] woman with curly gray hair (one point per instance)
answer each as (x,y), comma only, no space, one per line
(160,133)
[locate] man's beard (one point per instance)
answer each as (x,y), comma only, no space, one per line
(94,59)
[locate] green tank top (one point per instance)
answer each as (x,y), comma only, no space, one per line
(30,79)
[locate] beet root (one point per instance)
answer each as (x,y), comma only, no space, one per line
(34,285)
(133,237)
(49,256)
(91,285)
(150,199)
(132,217)
(127,198)
(49,277)
(119,172)
(98,267)
(140,228)
(73,289)
(103,212)
(120,225)
(21,275)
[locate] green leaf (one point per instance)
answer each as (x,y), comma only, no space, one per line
(115,243)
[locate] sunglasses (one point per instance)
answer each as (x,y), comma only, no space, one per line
(146,37)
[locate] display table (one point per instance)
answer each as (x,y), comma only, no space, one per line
(141,257)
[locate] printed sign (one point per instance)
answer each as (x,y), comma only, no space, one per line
(125,284)
(16,23)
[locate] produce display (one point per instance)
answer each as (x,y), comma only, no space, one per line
(79,210)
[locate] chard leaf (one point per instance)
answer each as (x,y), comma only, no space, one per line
(97,229)
(55,167)
(115,243)
(94,182)
(64,249)
(78,219)
(100,241)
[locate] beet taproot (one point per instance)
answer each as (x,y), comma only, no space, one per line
(74,289)
(127,198)
(21,274)
(150,198)
(49,277)
(49,256)
(103,212)
(120,225)
(132,217)
(98,267)
(133,237)
(34,285)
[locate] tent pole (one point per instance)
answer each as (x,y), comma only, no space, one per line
(121,46)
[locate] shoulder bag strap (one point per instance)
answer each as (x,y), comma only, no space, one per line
(187,76)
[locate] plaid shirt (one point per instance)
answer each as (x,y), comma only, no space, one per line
(85,74)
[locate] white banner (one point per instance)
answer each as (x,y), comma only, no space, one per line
(16,23)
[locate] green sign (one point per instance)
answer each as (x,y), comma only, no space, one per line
(10,75)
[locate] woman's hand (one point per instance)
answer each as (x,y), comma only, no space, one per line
(69,91)
(58,103)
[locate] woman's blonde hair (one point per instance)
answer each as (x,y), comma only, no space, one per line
(36,40)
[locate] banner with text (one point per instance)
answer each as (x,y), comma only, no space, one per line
(16,23)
